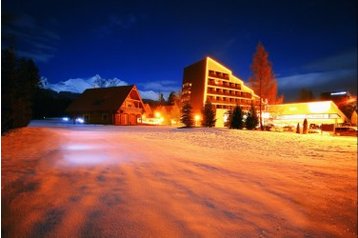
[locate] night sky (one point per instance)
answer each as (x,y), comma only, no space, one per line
(312,44)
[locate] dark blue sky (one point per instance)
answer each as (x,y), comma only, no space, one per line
(312,44)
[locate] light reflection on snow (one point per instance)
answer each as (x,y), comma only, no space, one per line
(84,154)
(80,147)
(84,158)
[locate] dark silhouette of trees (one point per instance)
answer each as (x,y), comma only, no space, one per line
(208,115)
(161,99)
(236,118)
(172,98)
(187,115)
(305,95)
(48,103)
(263,80)
(19,82)
(305,126)
(252,120)
(298,128)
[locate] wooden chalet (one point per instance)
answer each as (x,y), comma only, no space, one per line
(114,105)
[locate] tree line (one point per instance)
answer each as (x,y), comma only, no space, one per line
(236,118)
(19,82)
(22,97)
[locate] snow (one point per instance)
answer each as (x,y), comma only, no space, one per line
(63,180)
(79,85)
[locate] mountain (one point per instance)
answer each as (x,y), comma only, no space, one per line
(78,85)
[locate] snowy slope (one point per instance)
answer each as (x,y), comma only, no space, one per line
(78,85)
(107,181)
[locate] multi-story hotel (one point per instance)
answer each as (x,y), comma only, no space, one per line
(208,80)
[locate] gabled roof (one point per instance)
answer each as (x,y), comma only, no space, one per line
(100,99)
(305,108)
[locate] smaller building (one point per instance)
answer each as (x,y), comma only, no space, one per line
(114,105)
(318,113)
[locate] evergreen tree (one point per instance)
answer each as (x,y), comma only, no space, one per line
(19,82)
(172,98)
(236,121)
(305,126)
(298,128)
(252,120)
(161,99)
(187,115)
(208,115)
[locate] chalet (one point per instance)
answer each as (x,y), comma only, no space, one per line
(114,105)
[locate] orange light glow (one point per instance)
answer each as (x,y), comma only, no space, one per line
(157,114)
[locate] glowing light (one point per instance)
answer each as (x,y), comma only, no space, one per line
(226,117)
(265,115)
(157,114)
(152,121)
(65,119)
(197,118)
(319,107)
(80,120)
(338,93)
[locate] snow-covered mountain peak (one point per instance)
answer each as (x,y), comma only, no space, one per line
(78,85)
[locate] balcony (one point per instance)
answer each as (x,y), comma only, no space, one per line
(228,93)
(224,84)
(220,75)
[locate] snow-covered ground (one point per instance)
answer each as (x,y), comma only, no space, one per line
(105,181)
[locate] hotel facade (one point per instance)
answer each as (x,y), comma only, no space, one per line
(208,80)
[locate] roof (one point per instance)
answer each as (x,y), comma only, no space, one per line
(320,107)
(100,99)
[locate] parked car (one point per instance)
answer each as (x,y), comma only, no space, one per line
(345,131)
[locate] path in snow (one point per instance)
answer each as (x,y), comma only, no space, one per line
(105,181)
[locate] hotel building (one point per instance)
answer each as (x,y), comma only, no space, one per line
(208,80)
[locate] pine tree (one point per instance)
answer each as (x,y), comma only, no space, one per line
(19,82)
(208,115)
(305,126)
(161,99)
(187,115)
(252,120)
(236,121)
(298,128)
(172,98)
(263,80)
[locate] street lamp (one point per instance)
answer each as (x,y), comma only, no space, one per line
(197,119)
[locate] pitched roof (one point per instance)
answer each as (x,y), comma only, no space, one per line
(100,99)
(305,108)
